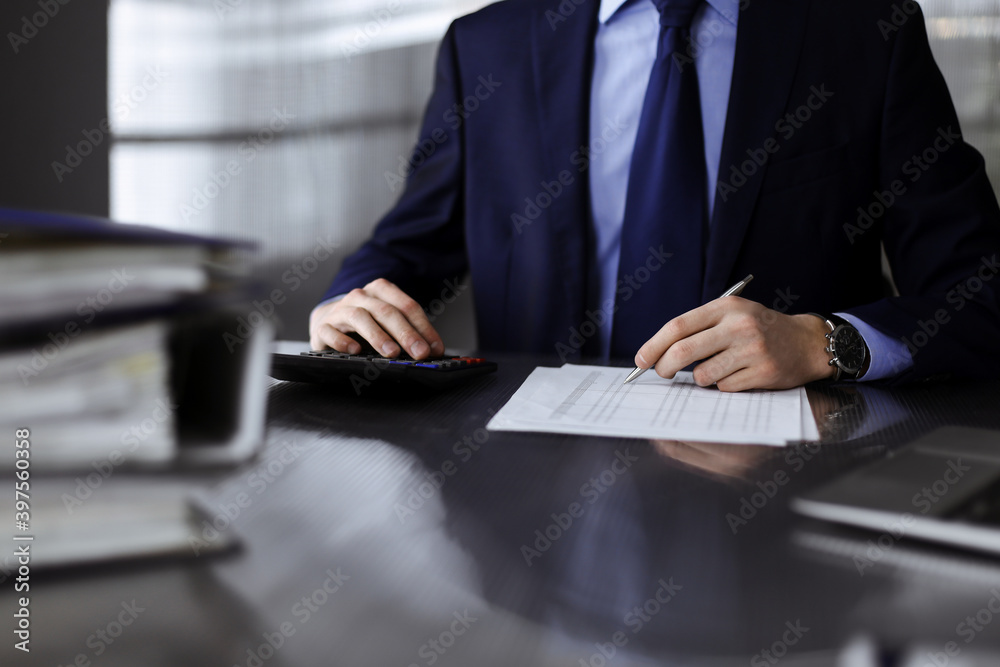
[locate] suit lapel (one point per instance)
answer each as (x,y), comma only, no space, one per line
(563,50)
(768,44)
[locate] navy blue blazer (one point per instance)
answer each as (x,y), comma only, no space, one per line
(841,137)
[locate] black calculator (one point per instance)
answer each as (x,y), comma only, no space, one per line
(362,371)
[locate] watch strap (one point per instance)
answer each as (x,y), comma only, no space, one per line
(833,327)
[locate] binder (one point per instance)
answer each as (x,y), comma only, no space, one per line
(128,346)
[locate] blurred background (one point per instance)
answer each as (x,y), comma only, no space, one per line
(285,121)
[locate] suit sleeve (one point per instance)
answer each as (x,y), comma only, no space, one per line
(421,242)
(942,235)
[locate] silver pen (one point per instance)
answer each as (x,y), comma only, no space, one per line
(735,290)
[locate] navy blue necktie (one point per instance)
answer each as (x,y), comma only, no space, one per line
(665,203)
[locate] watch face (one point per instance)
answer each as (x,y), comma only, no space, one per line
(849,348)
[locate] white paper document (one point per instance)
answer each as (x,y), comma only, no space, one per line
(592,400)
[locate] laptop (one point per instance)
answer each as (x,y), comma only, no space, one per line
(943,488)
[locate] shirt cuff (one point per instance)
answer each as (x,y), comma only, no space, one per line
(889,357)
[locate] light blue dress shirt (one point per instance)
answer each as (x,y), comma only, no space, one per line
(625,49)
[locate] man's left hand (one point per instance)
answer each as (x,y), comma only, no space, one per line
(744,346)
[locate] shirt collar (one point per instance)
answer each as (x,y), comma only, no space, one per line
(727,8)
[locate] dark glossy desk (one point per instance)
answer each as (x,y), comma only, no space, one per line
(382,531)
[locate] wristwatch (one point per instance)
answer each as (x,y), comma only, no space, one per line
(848,347)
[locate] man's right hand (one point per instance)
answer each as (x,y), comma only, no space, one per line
(383,315)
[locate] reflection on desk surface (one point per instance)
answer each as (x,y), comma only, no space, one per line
(399,531)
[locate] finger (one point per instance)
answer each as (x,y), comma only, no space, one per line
(322,334)
(391,320)
(329,336)
(677,450)
(692,455)
(687,351)
(710,449)
(360,320)
(741,380)
(411,310)
(679,328)
(719,367)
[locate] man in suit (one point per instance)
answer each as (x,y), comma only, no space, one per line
(824,131)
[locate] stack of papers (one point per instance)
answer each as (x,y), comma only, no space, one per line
(70,271)
(82,282)
(107,329)
(592,400)
(104,399)
(123,518)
